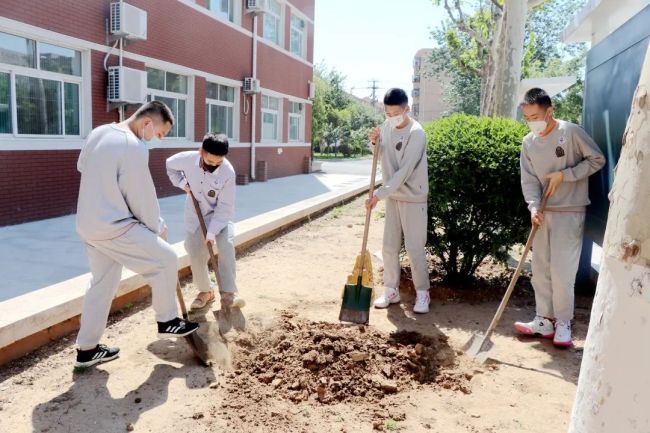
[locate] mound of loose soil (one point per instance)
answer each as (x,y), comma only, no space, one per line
(329,363)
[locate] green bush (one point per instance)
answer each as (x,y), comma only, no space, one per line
(345,149)
(476,208)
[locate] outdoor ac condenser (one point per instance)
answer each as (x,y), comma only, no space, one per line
(126,85)
(251,85)
(255,5)
(128,21)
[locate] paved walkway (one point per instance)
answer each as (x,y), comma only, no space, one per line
(42,253)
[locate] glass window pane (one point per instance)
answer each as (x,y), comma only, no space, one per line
(71,100)
(226,94)
(269,126)
(274,7)
(294,128)
(38,104)
(207,118)
(272,28)
(59,59)
(211,91)
(274,103)
(176,83)
(265,101)
(180,118)
(17,51)
(5,103)
(155,79)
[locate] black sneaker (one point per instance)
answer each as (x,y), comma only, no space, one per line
(101,353)
(176,328)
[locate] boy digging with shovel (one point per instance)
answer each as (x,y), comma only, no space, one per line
(402,148)
(564,156)
(211,178)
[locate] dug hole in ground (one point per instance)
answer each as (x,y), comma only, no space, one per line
(294,368)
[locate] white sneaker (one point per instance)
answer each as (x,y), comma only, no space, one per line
(562,333)
(238,302)
(390,296)
(538,327)
(422,301)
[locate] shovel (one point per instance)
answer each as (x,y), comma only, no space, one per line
(480,346)
(198,346)
(357,293)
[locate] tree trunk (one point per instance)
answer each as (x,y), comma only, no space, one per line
(614,386)
(514,27)
(507,54)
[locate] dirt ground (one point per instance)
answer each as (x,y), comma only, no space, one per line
(293,368)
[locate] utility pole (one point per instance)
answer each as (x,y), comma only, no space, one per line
(612,393)
(373,94)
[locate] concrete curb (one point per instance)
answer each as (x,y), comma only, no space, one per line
(39,317)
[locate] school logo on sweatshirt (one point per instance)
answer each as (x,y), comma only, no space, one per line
(559,152)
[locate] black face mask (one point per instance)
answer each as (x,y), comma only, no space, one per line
(208,167)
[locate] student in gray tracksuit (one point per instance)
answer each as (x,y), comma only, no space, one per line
(118,218)
(402,148)
(211,178)
(561,155)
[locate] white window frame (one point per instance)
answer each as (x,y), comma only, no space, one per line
(301,123)
(36,72)
(153,93)
(278,113)
(303,36)
(234,5)
(235,110)
(279,18)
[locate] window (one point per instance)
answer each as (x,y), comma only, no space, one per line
(417,63)
(295,121)
(171,89)
(273,22)
(223,8)
(415,93)
(270,118)
(416,110)
(298,36)
(416,78)
(220,109)
(39,88)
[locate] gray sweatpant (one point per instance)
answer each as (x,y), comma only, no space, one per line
(198,252)
(556,255)
(140,250)
(409,219)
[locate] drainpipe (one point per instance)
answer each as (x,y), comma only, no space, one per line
(254,97)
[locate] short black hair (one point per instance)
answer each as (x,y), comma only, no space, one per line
(156,108)
(216,144)
(396,96)
(537,96)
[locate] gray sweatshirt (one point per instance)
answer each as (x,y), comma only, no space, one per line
(116,189)
(404,164)
(215,191)
(569,149)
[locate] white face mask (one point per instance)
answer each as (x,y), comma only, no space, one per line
(153,141)
(538,126)
(395,121)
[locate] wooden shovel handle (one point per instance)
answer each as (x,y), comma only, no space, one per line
(515,276)
(371,192)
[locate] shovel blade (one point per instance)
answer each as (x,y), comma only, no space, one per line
(355,307)
(478,348)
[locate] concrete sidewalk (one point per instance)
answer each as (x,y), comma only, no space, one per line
(42,253)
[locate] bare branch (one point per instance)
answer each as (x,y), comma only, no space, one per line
(462,24)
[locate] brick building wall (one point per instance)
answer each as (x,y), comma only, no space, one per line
(183,37)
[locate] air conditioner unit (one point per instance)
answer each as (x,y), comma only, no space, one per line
(312,90)
(126,85)
(128,21)
(256,5)
(251,85)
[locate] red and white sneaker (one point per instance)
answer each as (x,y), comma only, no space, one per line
(538,327)
(562,333)
(390,296)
